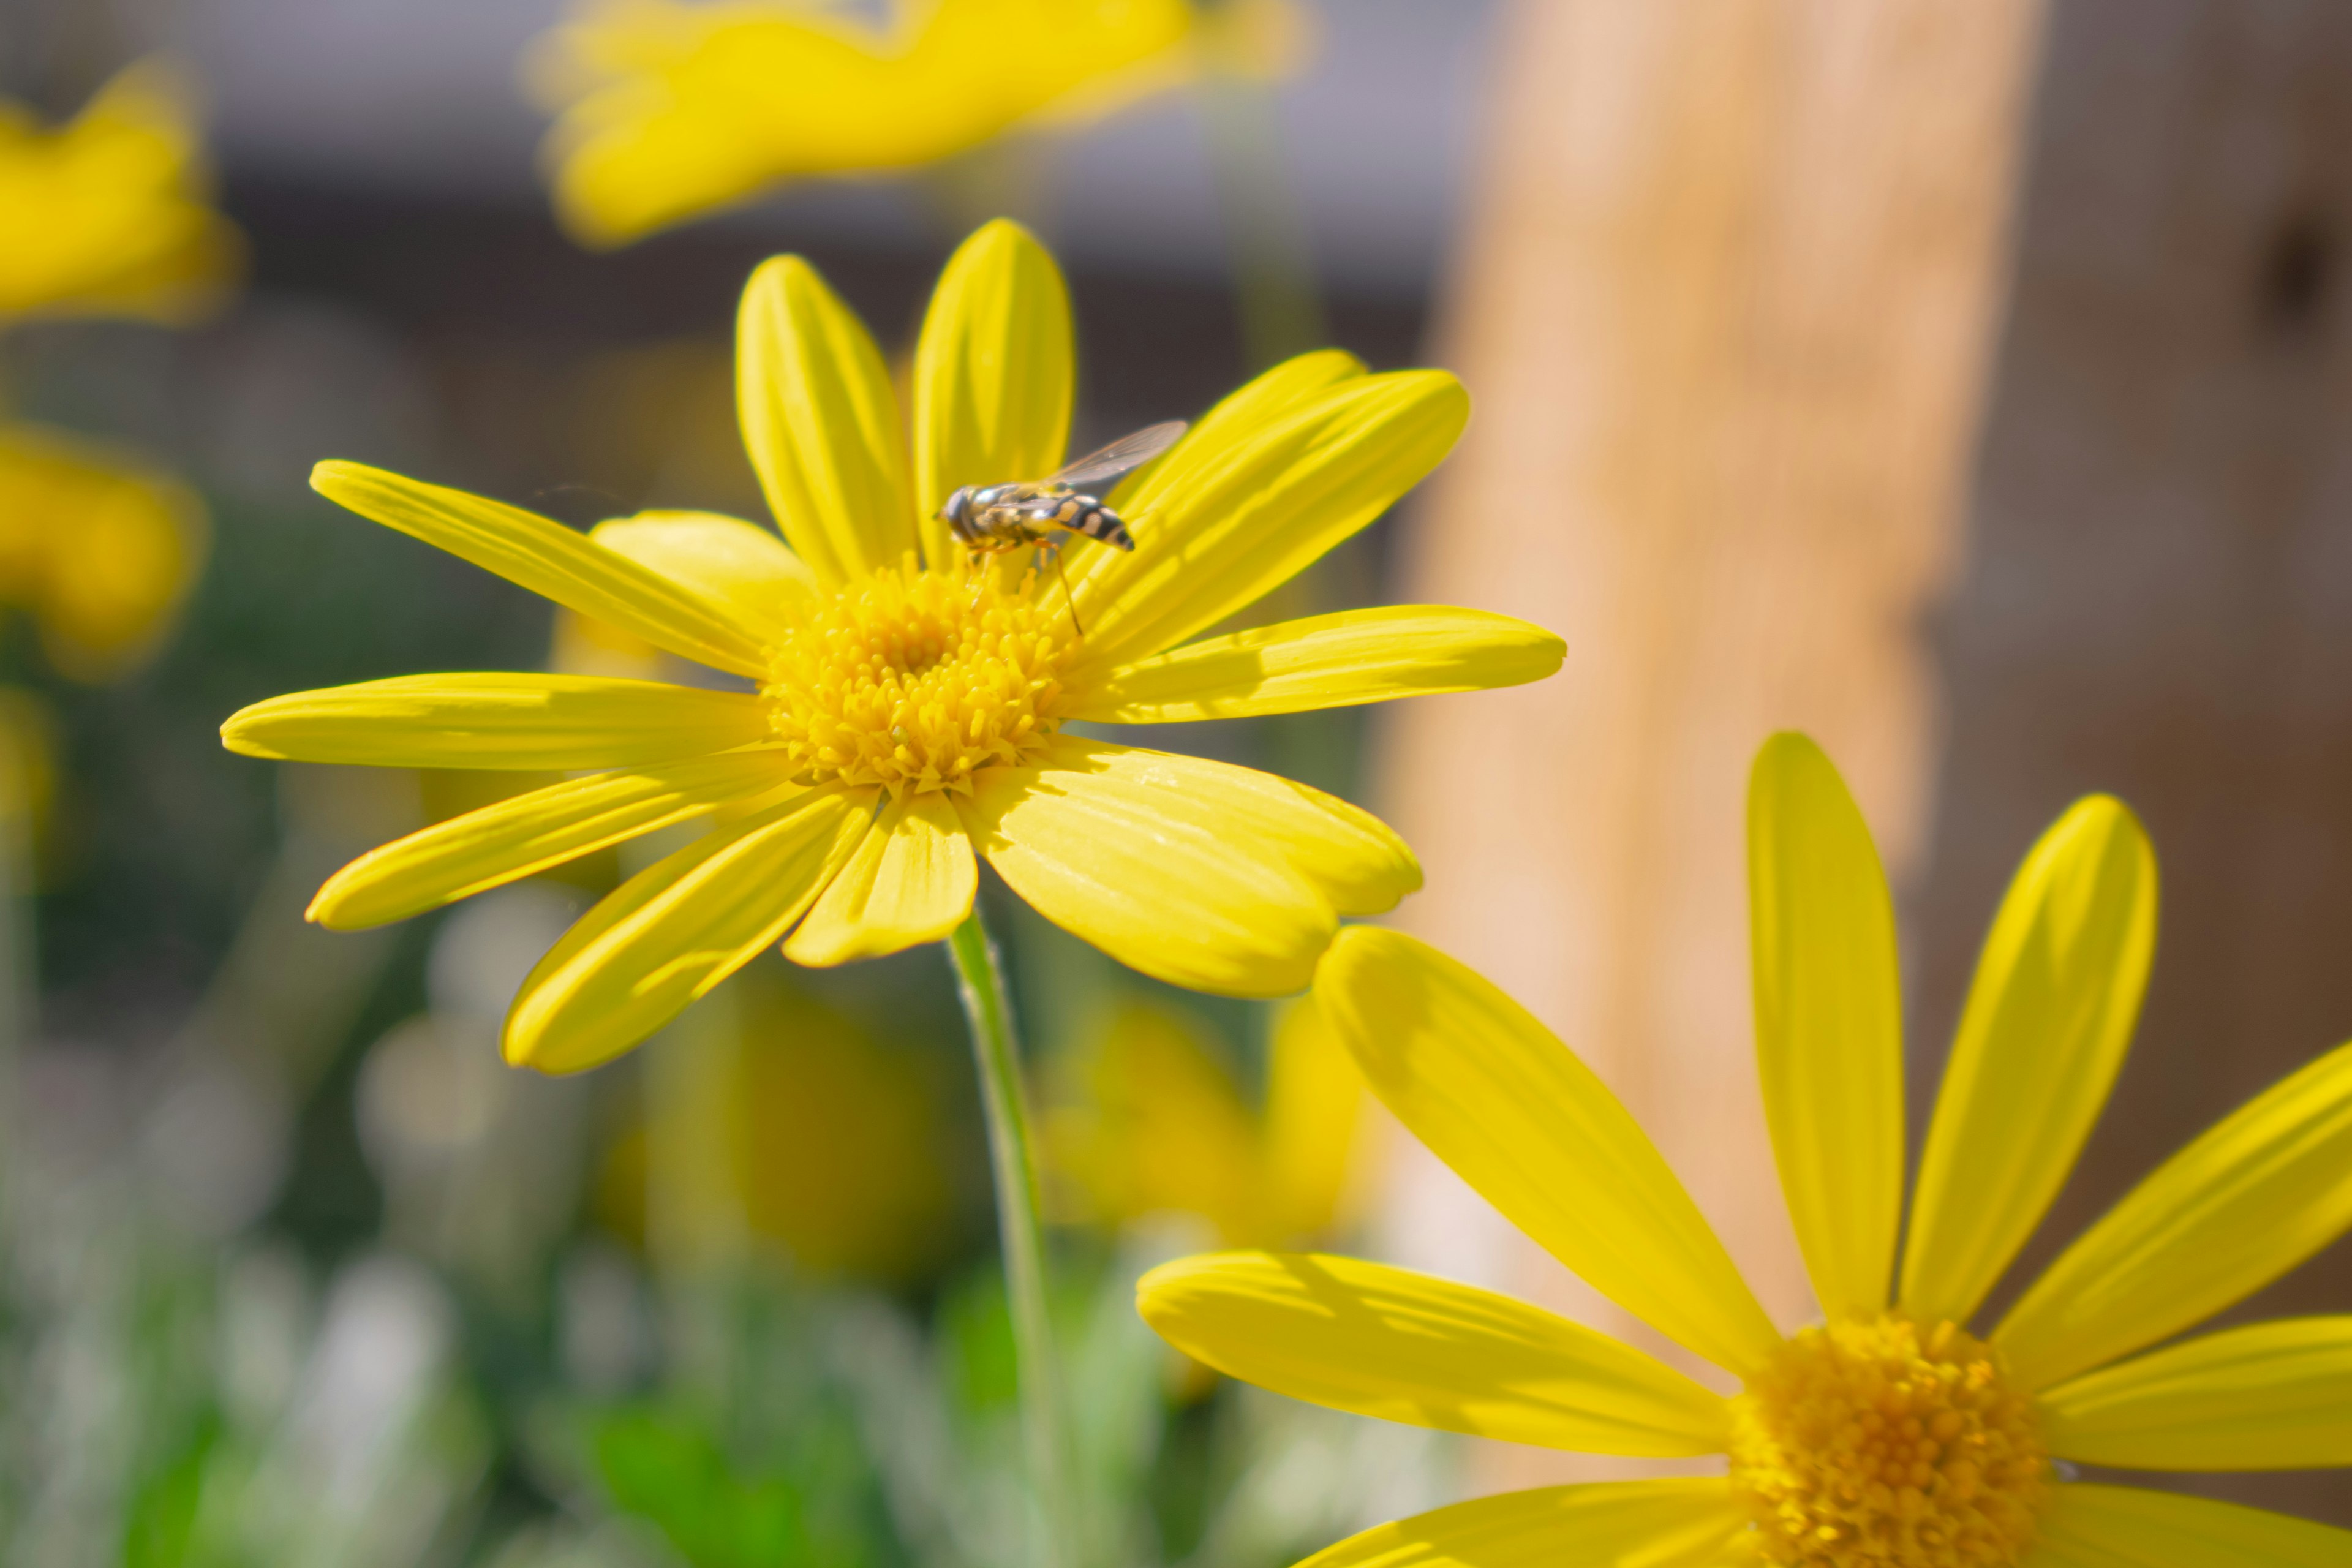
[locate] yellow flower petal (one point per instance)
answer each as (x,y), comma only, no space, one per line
(738,563)
(530,833)
(1315,1105)
(992,374)
(481,719)
(2246,1202)
(1494,1095)
(1618,1524)
(548,558)
(1829,1021)
(2272,1396)
(2126,1527)
(1328,661)
(1403,1346)
(1267,397)
(2048,1021)
(911,881)
(669,934)
(1237,510)
(821,424)
(1199,873)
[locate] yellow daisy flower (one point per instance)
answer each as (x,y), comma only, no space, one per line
(898,710)
(1159,1127)
(107,215)
(668,109)
(100,550)
(1892,1435)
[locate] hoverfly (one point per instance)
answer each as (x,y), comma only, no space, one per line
(989,519)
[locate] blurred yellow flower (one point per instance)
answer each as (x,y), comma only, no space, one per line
(1891,1436)
(900,714)
(835,1144)
(107,215)
(671,110)
(1158,1126)
(100,550)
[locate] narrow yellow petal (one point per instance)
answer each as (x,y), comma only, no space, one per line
(1236,511)
(1494,1095)
(514,838)
(2126,1527)
(550,560)
(1403,1346)
(2271,1396)
(1264,398)
(993,374)
(1315,1105)
(911,881)
(2252,1198)
(1829,1021)
(2047,1023)
(738,563)
(669,934)
(484,719)
(1195,873)
(1617,1524)
(821,424)
(1329,661)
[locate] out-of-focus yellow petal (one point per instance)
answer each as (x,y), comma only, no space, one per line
(99,547)
(669,934)
(2047,1023)
(821,424)
(1315,1105)
(2126,1527)
(1236,511)
(669,111)
(108,215)
(514,838)
(1829,1021)
(1383,1341)
(550,560)
(480,719)
(1497,1097)
(911,881)
(1160,1127)
(2272,1396)
(1195,873)
(2252,1198)
(739,564)
(1617,1524)
(992,374)
(1329,661)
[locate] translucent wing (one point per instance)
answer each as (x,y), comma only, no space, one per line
(1121,457)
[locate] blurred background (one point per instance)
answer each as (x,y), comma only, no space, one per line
(1963,380)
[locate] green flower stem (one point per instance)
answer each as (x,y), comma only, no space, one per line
(996,1055)
(1275,287)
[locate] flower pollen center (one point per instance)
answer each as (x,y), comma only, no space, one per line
(1881,1443)
(914,680)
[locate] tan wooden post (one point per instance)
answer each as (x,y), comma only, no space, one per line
(1724,306)
(2160,597)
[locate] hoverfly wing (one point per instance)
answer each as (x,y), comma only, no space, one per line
(1122,456)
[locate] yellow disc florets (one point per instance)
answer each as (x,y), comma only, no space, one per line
(1886,1444)
(915,680)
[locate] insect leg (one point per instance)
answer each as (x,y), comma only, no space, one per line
(1067,597)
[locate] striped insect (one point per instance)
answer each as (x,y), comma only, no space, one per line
(989,519)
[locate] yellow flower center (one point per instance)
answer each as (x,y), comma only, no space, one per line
(1884,1444)
(915,680)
